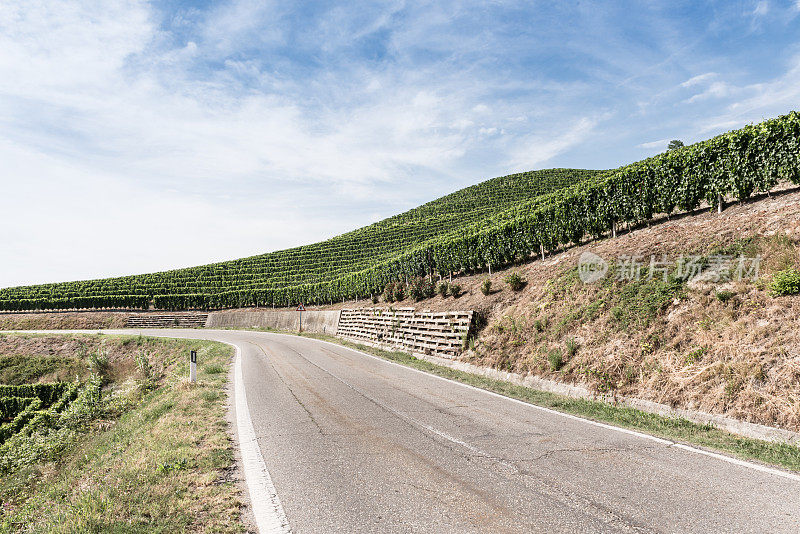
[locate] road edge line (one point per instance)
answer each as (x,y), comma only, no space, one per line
(667,442)
(264,501)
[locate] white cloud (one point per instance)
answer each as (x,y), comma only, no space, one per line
(699,79)
(761,9)
(661,143)
(534,150)
(108,122)
(714,90)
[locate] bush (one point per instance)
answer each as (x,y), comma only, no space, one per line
(374,299)
(443,289)
(555,359)
(515,281)
(540,324)
(388,292)
(421,288)
(785,283)
(572,347)
(455,290)
(486,287)
(399,292)
(724,296)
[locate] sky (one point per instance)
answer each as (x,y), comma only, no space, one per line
(142,136)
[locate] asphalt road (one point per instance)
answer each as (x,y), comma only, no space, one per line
(358,444)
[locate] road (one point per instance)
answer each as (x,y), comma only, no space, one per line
(353,443)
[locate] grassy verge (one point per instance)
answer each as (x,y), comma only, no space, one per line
(157,459)
(676,429)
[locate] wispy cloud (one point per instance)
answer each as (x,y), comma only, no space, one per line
(273,124)
(699,79)
(660,144)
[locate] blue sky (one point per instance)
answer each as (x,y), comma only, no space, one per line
(139,136)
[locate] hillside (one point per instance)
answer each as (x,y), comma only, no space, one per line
(497,223)
(725,347)
(311,264)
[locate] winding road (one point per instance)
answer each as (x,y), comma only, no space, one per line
(352,443)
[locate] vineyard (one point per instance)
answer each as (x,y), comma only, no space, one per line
(39,408)
(492,224)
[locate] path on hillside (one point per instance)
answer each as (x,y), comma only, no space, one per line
(357,444)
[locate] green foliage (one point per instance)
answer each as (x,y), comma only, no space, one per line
(399,292)
(214,369)
(785,283)
(443,289)
(555,359)
(24,369)
(421,288)
(98,361)
(494,223)
(675,144)
(455,290)
(695,355)
(640,301)
(38,434)
(724,295)
(388,292)
(515,281)
(11,406)
(46,393)
(572,347)
(486,287)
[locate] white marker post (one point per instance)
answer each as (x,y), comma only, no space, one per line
(301,309)
(193,366)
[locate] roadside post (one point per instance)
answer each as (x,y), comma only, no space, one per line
(193,366)
(301,309)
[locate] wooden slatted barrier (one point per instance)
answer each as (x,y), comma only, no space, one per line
(440,333)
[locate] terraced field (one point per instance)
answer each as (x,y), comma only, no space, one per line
(495,223)
(312,264)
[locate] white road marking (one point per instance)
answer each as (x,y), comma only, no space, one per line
(267,508)
(669,443)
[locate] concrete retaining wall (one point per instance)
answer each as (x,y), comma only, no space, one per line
(735,426)
(317,321)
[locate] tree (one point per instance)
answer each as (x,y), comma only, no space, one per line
(675,143)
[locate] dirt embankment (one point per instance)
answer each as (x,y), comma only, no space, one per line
(63,320)
(725,347)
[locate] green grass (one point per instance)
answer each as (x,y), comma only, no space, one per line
(676,429)
(155,462)
(22,369)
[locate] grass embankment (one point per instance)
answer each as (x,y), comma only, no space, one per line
(676,429)
(154,457)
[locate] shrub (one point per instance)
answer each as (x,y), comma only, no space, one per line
(98,361)
(455,290)
(785,283)
(486,287)
(696,355)
(421,288)
(572,347)
(555,359)
(399,292)
(374,299)
(540,324)
(515,281)
(388,292)
(428,288)
(443,289)
(724,296)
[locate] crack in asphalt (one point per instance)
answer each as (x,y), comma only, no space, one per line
(457,446)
